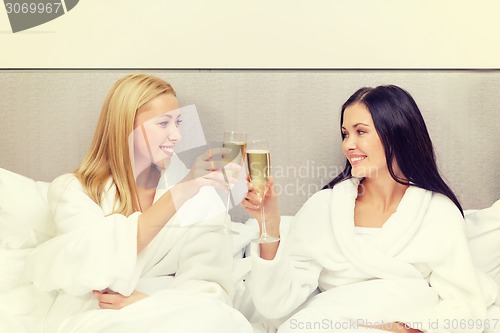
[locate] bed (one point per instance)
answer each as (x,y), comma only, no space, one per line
(48,118)
(25,223)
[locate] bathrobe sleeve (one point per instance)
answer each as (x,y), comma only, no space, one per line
(464,293)
(92,250)
(281,285)
(205,262)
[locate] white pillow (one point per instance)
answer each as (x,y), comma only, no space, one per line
(483,232)
(24,223)
(24,212)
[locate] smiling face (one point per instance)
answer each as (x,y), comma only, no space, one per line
(361,143)
(156,131)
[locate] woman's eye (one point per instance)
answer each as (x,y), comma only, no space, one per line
(178,122)
(163,123)
(361,132)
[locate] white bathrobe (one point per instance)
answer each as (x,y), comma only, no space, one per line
(185,270)
(417,269)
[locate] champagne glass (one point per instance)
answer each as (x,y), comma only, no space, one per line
(259,169)
(237,142)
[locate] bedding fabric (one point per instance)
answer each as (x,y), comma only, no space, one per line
(483,232)
(24,211)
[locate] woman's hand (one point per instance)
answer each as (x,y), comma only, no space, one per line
(252,203)
(116,301)
(207,171)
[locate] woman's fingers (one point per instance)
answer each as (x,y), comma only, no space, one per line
(116,301)
(217,176)
(219,165)
(109,301)
(253,198)
(247,204)
(212,159)
(214,152)
(211,170)
(211,165)
(112,306)
(252,201)
(221,177)
(214,178)
(270,187)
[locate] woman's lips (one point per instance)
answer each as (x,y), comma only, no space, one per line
(356,159)
(169,151)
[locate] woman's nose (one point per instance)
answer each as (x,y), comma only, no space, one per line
(349,143)
(175,134)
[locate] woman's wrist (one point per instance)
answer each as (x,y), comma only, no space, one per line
(272,226)
(182,192)
(268,250)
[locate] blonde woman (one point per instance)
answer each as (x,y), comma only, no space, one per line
(122,261)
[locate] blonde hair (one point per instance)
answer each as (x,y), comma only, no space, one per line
(109,155)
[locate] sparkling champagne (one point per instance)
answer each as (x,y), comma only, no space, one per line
(259,167)
(237,148)
(237,154)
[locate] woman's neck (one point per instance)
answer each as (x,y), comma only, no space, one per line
(383,192)
(148,178)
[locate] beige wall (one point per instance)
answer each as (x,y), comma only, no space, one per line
(48,118)
(261,34)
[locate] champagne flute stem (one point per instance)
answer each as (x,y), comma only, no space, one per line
(263,219)
(226,221)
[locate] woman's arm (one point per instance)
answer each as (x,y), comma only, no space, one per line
(205,172)
(279,286)
(252,204)
(93,250)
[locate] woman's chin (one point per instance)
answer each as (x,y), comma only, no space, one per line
(162,164)
(362,171)
(358,173)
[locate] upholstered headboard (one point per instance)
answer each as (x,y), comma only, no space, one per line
(48,117)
